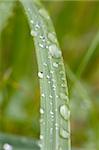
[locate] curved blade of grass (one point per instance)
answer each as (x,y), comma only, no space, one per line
(88,55)
(5,12)
(55,113)
(17,142)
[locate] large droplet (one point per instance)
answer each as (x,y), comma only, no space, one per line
(40,75)
(44,13)
(52,37)
(54,51)
(7,146)
(64,133)
(65,113)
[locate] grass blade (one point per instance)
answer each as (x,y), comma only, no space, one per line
(88,55)
(5,12)
(55,113)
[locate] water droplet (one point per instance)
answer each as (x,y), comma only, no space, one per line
(51,113)
(54,51)
(40,75)
(61,72)
(44,13)
(63,85)
(41,137)
(63,96)
(31,21)
(56,124)
(64,133)
(65,113)
(7,146)
(33,33)
(57,96)
(52,37)
(49,82)
(51,72)
(41,45)
(55,65)
(37,26)
(41,111)
(43,38)
(43,95)
(48,77)
(45,64)
(50,96)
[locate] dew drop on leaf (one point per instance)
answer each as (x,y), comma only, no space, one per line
(33,33)
(40,75)
(41,137)
(55,65)
(65,113)
(64,133)
(54,51)
(41,111)
(52,37)
(31,21)
(63,96)
(43,95)
(44,13)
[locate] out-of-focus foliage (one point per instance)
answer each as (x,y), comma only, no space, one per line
(77,25)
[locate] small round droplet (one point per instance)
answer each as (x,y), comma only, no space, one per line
(64,133)
(65,113)
(63,85)
(45,64)
(43,95)
(43,38)
(48,77)
(50,96)
(63,96)
(33,33)
(41,111)
(55,65)
(31,21)
(41,45)
(51,113)
(40,75)
(7,146)
(44,13)
(52,37)
(41,137)
(54,51)
(37,26)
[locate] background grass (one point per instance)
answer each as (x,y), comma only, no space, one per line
(77,25)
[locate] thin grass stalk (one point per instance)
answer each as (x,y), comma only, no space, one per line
(55,111)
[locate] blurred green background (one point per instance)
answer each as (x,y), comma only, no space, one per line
(77,27)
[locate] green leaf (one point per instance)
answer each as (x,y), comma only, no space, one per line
(55,113)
